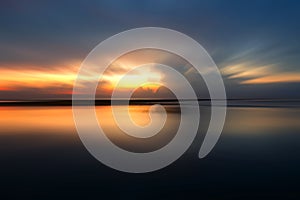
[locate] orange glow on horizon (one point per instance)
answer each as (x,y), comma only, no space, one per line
(61,80)
(34,79)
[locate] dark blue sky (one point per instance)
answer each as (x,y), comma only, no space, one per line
(257,36)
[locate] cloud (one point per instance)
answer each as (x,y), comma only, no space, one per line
(276,78)
(247,74)
(245,71)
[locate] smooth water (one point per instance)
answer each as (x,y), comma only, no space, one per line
(257,156)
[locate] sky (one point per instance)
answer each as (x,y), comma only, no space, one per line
(255,44)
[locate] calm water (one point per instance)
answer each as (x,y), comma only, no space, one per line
(257,156)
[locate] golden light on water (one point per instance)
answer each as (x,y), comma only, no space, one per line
(22,119)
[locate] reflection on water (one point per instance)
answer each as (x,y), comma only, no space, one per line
(258,154)
(140,116)
(240,120)
(262,120)
(42,120)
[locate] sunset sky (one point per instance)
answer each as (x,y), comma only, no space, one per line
(255,44)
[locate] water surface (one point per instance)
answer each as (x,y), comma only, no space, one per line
(257,156)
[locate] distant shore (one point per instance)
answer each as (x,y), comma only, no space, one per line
(202,102)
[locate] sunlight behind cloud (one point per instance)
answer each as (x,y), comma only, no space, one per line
(133,80)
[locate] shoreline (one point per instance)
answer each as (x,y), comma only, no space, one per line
(201,102)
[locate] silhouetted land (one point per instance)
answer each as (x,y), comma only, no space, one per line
(202,102)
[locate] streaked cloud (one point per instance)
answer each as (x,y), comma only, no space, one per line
(246,71)
(247,74)
(276,78)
